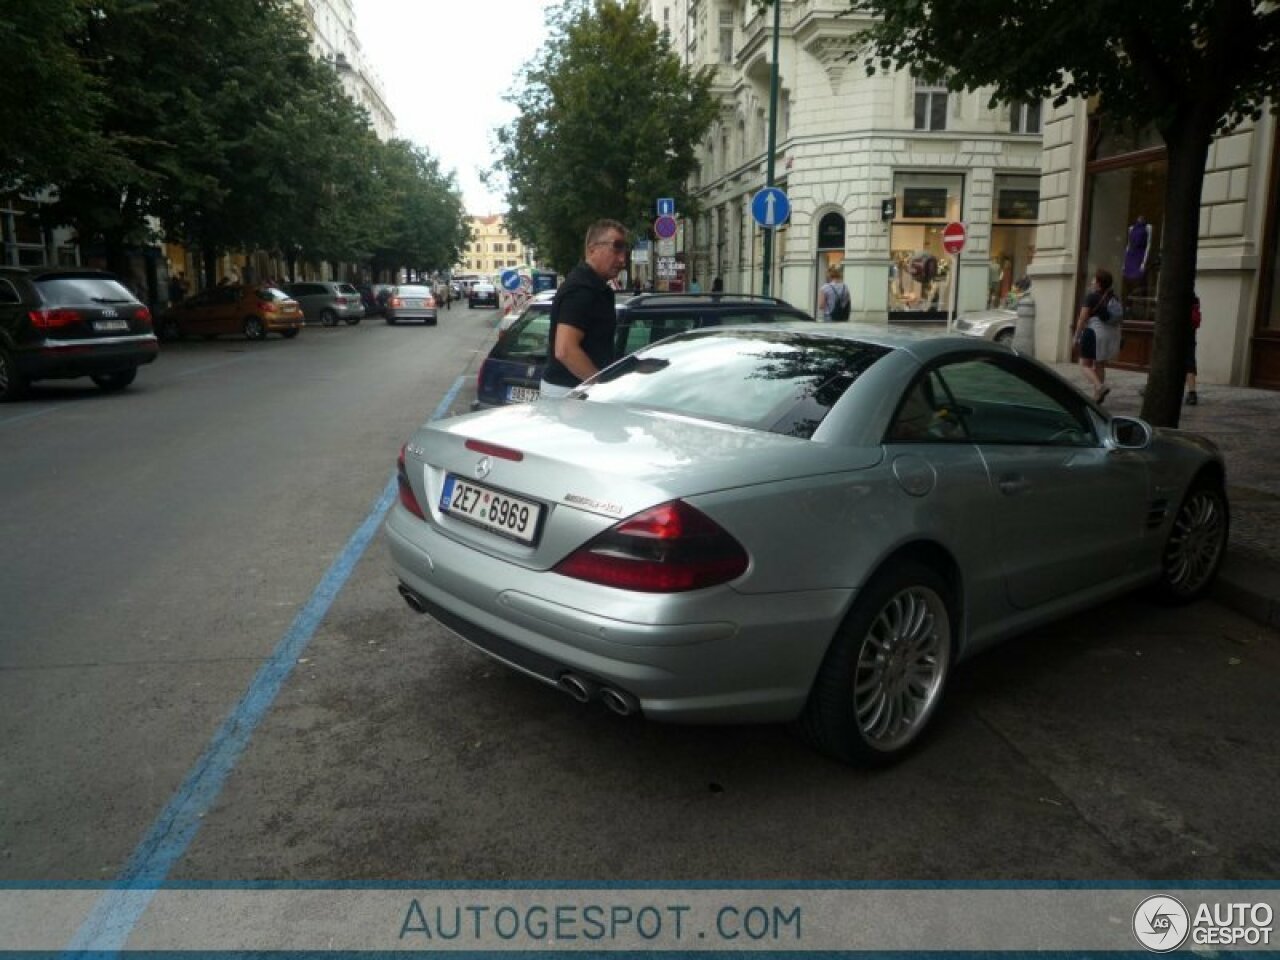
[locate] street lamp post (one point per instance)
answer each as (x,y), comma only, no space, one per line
(773,142)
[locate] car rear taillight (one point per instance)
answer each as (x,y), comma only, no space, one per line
(407,499)
(667,549)
(340,301)
(143,315)
(50,319)
(266,306)
(395,302)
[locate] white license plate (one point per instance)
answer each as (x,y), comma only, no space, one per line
(111,324)
(500,512)
(522,394)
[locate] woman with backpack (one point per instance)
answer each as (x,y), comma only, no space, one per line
(833,298)
(1097,331)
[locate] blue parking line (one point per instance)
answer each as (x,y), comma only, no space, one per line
(110,923)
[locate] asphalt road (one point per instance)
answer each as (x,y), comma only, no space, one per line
(158,546)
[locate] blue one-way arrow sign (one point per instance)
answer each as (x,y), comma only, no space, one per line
(770,207)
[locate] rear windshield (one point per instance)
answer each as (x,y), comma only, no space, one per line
(348,290)
(271,293)
(527,337)
(414,291)
(81,291)
(779,381)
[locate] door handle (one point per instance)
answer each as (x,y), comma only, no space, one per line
(1014,484)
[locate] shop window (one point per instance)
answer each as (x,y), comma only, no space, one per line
(919,268)
(1125,226)
(931,107)
(1013,235)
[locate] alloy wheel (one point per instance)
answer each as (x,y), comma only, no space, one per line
(1195,546)
(901,667)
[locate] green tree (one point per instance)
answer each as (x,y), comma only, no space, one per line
(608,121)
(50,108)
(1193,68)
(423,223)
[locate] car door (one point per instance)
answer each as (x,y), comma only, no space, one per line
(1068,510)
(223,312)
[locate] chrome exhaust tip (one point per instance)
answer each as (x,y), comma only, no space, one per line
(414,601)
(623,704)
(576,687)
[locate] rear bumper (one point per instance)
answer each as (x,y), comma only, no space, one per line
(276,324)
(63,359)
(713,656)
(413,316)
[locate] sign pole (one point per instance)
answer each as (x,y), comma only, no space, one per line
(773,143)
(954,297)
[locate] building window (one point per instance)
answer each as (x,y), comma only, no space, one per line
(1013,235)
(931,107)
(726,36)
(1024,117)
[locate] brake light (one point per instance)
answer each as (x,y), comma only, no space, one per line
(395,302)
(669,548)
(266,306)
(51,319)
(143,316)
(493,450)
(340,301)
(407,499)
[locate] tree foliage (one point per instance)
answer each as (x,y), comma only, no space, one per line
(50,100)
(1190,67)
(211,122)
(424,225)
(608,122)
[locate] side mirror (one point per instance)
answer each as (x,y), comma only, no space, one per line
(1130,433)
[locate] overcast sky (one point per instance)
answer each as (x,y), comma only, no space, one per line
(445,65)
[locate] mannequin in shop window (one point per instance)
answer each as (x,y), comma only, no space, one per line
(1137,250)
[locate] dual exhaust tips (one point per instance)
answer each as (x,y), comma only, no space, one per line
(583,689)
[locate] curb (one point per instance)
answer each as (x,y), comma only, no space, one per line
(1249,588)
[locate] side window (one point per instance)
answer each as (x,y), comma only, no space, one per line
(7,293)
(1002,404)
(669,324)
(226,294)
(927,415)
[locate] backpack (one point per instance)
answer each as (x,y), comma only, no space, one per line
(841,309)
(1110,309)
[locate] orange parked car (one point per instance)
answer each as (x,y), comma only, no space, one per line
(234,308)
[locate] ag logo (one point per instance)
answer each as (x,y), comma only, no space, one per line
(1161,923)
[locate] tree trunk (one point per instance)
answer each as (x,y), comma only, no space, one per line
(210,259)
(1188,151)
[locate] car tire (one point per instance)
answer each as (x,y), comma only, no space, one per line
(13,385)
(391,321)
(431,322)
(328,318)
(1005,337)
(254,328)
(289,334)
(116,380)
(886,669)
(1197,543)
(352,321)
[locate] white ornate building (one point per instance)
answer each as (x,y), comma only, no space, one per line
(874,167)
(332,25)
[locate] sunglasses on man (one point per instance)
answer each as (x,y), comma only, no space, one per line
(619,246)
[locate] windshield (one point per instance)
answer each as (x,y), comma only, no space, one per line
(778,381)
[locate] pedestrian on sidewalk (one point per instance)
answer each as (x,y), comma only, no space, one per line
(1192,397)
(833,298)
(1097,332)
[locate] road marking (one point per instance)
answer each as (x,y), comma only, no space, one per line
(110,923)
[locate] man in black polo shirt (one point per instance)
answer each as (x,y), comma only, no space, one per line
(582,313)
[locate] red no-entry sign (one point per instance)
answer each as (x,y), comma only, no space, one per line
(953,237)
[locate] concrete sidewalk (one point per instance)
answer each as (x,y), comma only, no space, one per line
(1244,423)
